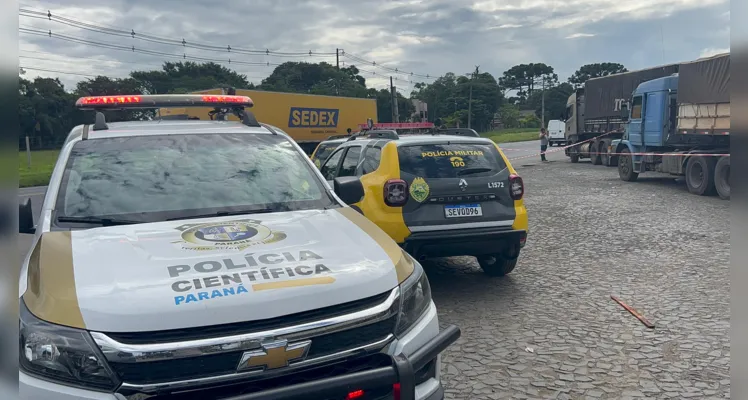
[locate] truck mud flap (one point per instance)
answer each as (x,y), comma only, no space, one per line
(400,372)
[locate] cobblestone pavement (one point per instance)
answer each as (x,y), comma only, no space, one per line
(550,329)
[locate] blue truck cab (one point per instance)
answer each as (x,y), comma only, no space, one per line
(651,118)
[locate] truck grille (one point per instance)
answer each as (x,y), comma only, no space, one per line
(226,363)
(312,374)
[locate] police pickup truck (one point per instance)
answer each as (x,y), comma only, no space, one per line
(188,259)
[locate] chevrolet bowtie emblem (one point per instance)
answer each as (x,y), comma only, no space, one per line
(272,355)
(462,185)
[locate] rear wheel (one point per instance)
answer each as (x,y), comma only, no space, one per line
(595,153)
(722,178)
(604,158)
(700,175)
(626,166)
(496,264)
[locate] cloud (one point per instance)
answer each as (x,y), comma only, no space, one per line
(425,37)
(712,51)
(579,35)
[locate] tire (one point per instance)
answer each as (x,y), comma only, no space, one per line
(496,264)
(700,175)
(604,157)
(722,178)
(574,154)
(595,158)
(626,166)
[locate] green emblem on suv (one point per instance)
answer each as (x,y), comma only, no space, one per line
(419,190)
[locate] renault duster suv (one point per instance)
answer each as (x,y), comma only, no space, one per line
(210,260)
(439,195)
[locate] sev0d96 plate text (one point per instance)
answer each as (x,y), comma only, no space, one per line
(463,210)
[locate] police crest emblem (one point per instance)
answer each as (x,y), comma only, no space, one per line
(230,235)
(419,190)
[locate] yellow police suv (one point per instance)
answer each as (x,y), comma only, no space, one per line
(450,193)
(188,259)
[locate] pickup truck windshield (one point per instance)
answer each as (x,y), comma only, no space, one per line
(155,178)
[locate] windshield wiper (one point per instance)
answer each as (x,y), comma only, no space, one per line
(227,213)
(476,170)
(103,221)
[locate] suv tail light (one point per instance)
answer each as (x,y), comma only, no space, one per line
(395,192)
(516,187)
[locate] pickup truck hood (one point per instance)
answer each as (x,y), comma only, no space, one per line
(200,272)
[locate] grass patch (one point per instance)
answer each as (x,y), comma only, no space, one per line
(42,164)
(513,135)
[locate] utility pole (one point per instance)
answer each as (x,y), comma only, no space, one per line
(470,100)
(393,93)
(542,105)
(337,58)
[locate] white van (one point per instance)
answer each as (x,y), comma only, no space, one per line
(556,132)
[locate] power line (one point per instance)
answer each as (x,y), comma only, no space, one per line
(202,46)
(71,60)
(56,71)
(161,40)
(390,69)
(134,49)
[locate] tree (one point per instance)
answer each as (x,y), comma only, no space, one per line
(322,79)
(188,76)
(509,115)
(525,78)
(448,98)
(597,70)
(555,101)
(384,105)
(46,110)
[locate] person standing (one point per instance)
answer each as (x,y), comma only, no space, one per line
(543,143)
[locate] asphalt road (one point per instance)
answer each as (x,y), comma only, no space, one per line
(551,330)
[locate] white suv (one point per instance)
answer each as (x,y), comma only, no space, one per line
(211,260)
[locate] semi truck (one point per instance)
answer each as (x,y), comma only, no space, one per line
(593,112)
(308,119)
(680,125)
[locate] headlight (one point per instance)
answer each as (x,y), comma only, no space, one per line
(414,300)
(65,355)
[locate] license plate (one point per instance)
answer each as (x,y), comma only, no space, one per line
(463,210)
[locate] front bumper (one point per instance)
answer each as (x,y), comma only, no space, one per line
(463,242)
(413,352)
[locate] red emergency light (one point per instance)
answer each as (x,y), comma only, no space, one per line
(399,125)
(162,100)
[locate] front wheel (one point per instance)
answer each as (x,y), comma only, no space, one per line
(496,264)
(626,166)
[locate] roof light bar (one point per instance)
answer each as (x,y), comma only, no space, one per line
(162,100)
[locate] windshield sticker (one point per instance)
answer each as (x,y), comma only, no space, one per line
(231,276)
(450,153)
(457,162)
(231,235)
(419,190)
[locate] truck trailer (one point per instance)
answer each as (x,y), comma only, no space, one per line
(680,125)
(593,112)
(308,119)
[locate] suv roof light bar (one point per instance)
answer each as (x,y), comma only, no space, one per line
(222,105)
(375,135)
(161,101)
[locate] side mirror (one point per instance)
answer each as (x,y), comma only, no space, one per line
(624,113)
(26,218)
(349,189)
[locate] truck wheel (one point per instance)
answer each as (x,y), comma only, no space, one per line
(574,154)
(496,264)
(604,158)
(595,158)
(700,175)
(626,166)
(722,178)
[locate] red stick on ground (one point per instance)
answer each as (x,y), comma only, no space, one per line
(633,312)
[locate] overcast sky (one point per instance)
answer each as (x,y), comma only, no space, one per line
(428,37)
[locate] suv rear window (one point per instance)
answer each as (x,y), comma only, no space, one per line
(324,151)
(450,160)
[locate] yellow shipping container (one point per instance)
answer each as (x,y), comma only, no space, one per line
(309,119)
